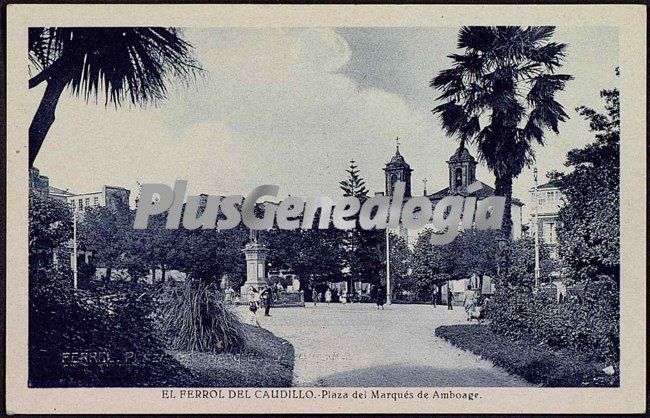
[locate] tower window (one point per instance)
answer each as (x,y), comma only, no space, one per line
(459,178)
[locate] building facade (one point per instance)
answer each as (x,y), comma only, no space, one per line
(111,196)
(549,200)
(461,174)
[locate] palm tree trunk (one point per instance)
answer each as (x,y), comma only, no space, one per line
(107,277)
(44,117)
(504,188)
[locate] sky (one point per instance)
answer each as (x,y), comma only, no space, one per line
(292,107)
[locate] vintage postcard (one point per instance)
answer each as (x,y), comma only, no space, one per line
(332,208)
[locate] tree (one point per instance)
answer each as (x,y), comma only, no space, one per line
(50,225)
(126,64)
(314,255)
(107,232)
(158,246)
(499,95)
(472,252)
(430,267)
(362,249)
(400,260)
(589,222)
(210,254)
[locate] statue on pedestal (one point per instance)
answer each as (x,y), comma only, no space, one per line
(256,254)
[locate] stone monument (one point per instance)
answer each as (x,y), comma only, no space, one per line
(255,265)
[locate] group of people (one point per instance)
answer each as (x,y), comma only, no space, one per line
(256,300)
(318,297)
(380,296)
(470,301)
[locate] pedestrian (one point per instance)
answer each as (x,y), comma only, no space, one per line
(380,298)
(320,296)
(328,296)
(314,296)
(252,317)
(470,301)
(256,297)
(267,298)
(450,299)
(434,296)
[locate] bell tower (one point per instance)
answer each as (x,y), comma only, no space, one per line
(462,170)
(397,170)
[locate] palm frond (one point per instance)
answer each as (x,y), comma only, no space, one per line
(537,34)
(121,64)
(479,38)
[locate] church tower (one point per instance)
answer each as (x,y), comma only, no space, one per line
(398,170)
(462,170)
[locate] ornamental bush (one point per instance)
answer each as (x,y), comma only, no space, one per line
(193,317)
(99,337)
(587,321)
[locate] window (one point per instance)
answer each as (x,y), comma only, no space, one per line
(81,204)
(96,201)
(87,201)
(550,236)
(459,178)
(73,206)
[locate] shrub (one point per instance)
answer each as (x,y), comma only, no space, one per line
(193,317)
(586,322)
(534,362)
(110,334)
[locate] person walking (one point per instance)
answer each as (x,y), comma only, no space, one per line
(328,296)
(434,295)
(470,301)
(450,299)
(256,297)
(227,297)
(380,298)
(314,296)
(267,299)
(251,319)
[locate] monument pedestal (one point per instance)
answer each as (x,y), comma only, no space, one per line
(255,268)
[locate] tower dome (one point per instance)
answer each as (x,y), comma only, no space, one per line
(398,170)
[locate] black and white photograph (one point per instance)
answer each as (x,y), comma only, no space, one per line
(321,213)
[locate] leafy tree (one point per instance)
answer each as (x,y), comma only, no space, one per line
(158,246)
(107,232)
(589,231)
(126,64)
(400,260)
(210,254)
(314,255)
(500,96)
(50,225)
(362,249)
(430,267)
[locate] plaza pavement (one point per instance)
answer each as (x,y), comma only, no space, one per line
(358,345)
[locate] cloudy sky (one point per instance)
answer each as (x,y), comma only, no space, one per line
(292,106)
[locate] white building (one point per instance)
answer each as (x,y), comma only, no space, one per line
(462,173)
(549,200)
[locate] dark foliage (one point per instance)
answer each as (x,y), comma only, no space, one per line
(535,362)
(193,317)
(103,337)
(586,322)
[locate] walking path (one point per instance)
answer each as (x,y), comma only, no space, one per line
(358,345)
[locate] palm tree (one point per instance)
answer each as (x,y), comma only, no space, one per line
(123,64)
(499,95)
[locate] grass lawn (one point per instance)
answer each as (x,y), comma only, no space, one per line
(266,361)
(536,363)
